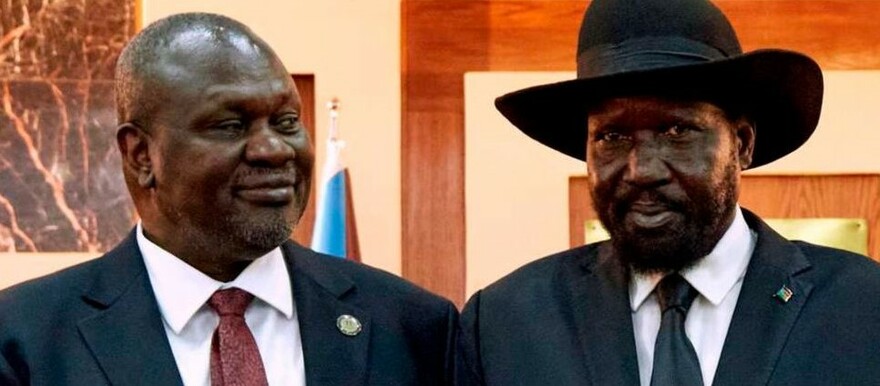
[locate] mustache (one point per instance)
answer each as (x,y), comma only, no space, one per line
(625,199)
(287,173)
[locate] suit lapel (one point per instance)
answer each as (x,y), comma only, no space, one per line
(320,293)
(603,320)
(762,322)
(126,336)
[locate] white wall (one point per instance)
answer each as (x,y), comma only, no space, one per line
(353,49)
(516,191)
(516,194)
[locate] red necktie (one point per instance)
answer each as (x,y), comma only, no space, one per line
(235,359)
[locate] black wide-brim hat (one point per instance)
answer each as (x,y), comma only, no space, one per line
(678,48)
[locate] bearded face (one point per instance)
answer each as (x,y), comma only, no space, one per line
(229,161)
(665,177)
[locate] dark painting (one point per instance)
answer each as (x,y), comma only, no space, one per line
(61,186)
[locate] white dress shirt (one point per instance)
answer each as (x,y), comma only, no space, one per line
(718,278)
(182,293)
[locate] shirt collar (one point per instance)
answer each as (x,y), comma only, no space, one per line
(181,289)
(715,274)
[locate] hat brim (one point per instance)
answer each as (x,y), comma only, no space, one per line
(781,91)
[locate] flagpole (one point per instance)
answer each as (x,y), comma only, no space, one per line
(329,235)
(334,143)
(333,106)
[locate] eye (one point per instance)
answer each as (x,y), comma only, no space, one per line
(609,136)
(288,123)
(231,125)
(679,130)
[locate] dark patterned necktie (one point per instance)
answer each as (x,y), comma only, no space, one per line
(235,359)
(675,361)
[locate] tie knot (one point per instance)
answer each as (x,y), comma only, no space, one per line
(675,292)
(231,301)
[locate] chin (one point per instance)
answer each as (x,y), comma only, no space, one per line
(674,247)
(267,235)
(662,256)
(258,232)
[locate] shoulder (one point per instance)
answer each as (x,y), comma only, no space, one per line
(69,284)
(68,295)
(544,273)
(500,323)
(841,270)
(833,257)
(373,286)
(59,286)
(830,271)
(50,303)
(543,284)
(839,305)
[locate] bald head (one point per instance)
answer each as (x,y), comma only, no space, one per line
(213,148)
(148,62)
(175,67)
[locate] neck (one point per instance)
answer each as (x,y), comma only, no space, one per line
(218,261)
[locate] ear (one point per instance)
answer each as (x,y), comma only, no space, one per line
(745,141)
(134,145)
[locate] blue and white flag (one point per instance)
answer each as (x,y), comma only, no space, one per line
(335,232)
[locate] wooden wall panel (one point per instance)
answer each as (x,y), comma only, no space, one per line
(443,39)
(840,35)
(534,35)
(847,196)
(775,196)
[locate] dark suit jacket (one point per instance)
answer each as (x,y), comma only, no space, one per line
(566,320)
(98,324)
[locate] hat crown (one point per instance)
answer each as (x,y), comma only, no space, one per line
(672,48)
(694,28)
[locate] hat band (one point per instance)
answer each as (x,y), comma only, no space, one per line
(644,54)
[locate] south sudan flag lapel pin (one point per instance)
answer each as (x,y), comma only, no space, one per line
(784,294)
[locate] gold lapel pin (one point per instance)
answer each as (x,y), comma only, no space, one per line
(348,325)
(784,294)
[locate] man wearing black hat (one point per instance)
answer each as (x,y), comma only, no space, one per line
(691,289)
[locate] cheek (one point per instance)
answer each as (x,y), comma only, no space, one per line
(604,169)
(702,175)
(200,170)
(703,159)
(305,155)
(725,157)
(603,177)
(593,169)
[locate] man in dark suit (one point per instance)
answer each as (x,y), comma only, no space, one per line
(691,289)
(208,289)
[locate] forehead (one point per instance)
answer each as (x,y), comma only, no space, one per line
(652,108)
(234,68)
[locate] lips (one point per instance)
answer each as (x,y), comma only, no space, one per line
(649,214)
(267,189)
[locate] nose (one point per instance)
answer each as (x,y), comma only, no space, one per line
(646,166)
(268,148)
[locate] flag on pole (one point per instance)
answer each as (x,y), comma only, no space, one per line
(335,232)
